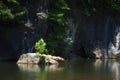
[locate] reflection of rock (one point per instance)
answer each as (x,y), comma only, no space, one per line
(116,70)
(28,58)
(97,63)
(112,66)
(37,68)
(29,67)
(53,68)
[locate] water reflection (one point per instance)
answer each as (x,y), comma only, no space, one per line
(97,63)
(111,66)
(53,68)
(37,68)
(73,70)
(29,67)
(116,70)
(37,72)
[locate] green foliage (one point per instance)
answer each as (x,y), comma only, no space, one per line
(69,40)
(91,7)
(40,47)
(115,4)
(10,10)
(14,1)
(57,26)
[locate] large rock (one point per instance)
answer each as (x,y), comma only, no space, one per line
(51,61)
(29,58)
(33,58)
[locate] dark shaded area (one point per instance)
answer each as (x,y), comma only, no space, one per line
(93,28)
(19,38)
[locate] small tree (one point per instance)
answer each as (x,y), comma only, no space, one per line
(40,47)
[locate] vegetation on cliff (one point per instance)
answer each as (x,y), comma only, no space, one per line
(92,7)
(10,11)
(57,26)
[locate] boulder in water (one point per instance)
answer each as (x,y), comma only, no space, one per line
(29,58)
(32,58)
(51,61)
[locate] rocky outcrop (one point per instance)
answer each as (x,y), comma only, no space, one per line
(95,31)
(33,58)
(101,33)
(29,58)
(99,54)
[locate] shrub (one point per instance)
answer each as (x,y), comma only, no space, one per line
(40,47)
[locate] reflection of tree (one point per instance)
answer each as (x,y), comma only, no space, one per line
(42,74)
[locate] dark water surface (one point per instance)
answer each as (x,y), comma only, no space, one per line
(71,70)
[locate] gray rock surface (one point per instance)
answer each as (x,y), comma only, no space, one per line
(51,61)
(28,58)
(32,58)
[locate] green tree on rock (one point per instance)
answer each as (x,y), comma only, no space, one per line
(40,47)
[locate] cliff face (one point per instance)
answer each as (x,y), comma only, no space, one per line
(18,39)
(95,36)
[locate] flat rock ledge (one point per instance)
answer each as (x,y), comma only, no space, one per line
(33,58)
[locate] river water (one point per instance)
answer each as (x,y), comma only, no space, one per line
(70,70)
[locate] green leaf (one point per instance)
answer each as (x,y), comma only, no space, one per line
(60,14)
(40,46)
(14,1)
